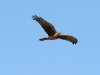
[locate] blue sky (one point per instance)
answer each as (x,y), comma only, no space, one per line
(21,52)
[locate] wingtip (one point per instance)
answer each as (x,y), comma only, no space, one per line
(75,42)
(34,17)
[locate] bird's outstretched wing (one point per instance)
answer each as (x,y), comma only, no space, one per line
(69,38)
(48,27)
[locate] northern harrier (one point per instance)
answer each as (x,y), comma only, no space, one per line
(51,31)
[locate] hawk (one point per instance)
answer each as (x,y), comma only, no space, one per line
(51,31)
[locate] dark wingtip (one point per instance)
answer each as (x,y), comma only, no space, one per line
(75,42)
(34,17)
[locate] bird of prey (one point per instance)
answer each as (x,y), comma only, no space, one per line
(51,31)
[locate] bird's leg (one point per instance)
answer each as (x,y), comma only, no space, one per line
(42,39)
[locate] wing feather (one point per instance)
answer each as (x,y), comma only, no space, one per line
(69,38)
(48,27)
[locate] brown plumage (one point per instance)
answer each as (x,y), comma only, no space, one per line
(51,31)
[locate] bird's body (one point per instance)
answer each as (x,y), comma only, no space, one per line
(53,37)
(51,31)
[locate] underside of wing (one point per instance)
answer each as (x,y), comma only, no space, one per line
(69,38)
(48,27)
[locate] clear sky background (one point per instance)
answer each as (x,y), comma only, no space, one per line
(21,52)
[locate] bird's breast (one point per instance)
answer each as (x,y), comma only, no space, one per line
(53,37)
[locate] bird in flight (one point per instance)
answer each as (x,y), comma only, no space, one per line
(51,31)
